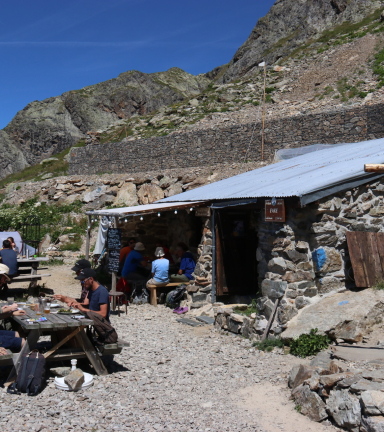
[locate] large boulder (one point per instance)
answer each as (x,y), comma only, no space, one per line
(311,404)
(336,312)
(150,193)
(126,196)
(344,409)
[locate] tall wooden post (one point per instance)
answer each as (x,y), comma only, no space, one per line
(113,289)
(262,133)
(87,242)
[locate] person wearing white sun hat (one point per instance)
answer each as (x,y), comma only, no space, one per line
(160,269)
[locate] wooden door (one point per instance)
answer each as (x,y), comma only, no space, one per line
(366,250)
(221,281)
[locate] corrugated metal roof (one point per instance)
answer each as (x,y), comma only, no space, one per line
(142,209)
(310,176)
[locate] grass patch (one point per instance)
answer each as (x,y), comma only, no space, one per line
(352,28)
(73,246)
(309,345)
(269,90)
(55,262)
(379,285)
(250,309)
(298,408)
(269,344)
(35,172)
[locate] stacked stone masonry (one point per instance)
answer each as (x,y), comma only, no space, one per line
(229,145)
(307,258)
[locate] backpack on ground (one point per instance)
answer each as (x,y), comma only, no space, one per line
(105,332)
(140,295)
(174,297)
(31,376)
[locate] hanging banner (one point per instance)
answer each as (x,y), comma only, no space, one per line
(274,213)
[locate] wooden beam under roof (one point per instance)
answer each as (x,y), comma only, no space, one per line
(377,168)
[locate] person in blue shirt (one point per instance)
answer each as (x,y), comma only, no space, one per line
(98,296)
(133,259)
(160,269)
(187,264)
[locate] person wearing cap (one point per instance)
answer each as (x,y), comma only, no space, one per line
(98,296)
(9,339)
(135,258)
(160,269)
(80,265)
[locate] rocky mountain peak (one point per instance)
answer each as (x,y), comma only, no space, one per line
(289,25)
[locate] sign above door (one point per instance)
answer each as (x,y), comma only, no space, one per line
(274,210)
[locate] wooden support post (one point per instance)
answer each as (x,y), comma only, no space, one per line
(271,319)
(262,133)
(91,353)
(33,283)
(113,289)
(66,339)
(376,168)
(88,238)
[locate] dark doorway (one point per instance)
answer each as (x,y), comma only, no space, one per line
(236,244)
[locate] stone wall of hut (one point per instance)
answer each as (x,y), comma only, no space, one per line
(307,257)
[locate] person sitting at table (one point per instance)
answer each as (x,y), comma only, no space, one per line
(97,299)
(134,258)
(13,245)
(8,257)
(127,249)
(81,265)
(187,264)
(167,254)
(9,339)
(160,268)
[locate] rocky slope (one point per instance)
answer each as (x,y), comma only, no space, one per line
(289,25)
(322,54)
(52,125)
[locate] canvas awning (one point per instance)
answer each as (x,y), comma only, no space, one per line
(144,209)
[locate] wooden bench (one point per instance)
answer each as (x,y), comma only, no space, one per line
(153,290)
(28,278)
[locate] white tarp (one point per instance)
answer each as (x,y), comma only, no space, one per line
(102,235)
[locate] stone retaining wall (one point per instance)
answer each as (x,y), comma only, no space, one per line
(227,145)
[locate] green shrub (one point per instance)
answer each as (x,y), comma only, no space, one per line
(309,345)
(73,245)
(269,90)
(269,344)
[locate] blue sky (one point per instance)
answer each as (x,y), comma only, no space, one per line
(49,47)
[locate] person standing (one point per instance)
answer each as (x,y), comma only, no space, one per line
(160,268)
(187,264)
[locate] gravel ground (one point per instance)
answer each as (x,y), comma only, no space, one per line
(173,377)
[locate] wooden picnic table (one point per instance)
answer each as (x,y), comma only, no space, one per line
(55,322)
(27,268)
